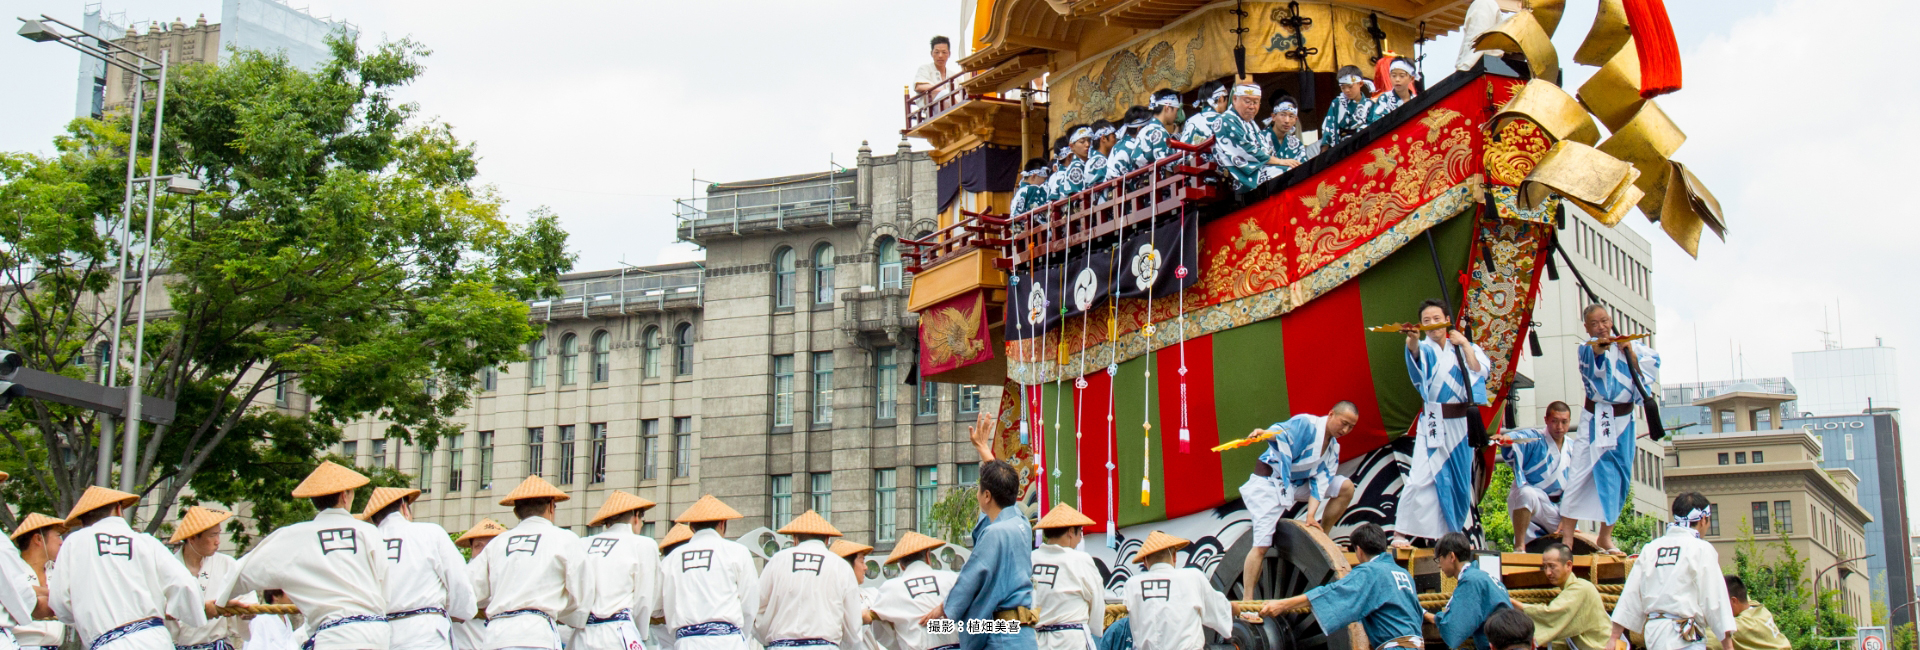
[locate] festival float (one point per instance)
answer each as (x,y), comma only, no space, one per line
(1141,323)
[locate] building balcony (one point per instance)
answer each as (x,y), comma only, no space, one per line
(626,291)
(954,118)
(770,205)
(878,311)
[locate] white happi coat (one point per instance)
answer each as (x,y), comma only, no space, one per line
(876,635)
(903,600)
(35,635)
(708,579)
(1434,482)
(538,570)
(472,634)
(622,575)
(1676,582)
(334,568)
(214,570)
(273,632)
(1168,606)
(426,573)
(17,598)
(1067,591)
(808,592)
(109,575)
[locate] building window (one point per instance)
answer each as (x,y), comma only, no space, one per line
(1849,444)
(1739,458)
(926,480)
(1761,525)
(783,390)
(426,470)
(602,356)
(647,529)
(103,359)
(380,453)
(1713,522)
(351,449)
(884,516)
(649,448)
(1759,457)
(569,359)
(821,488)
(969,475)
(489,379)
(1726,458)
(280,389)
(454,457)
(783,263)
(886,377)
(566,454)
(969,398)
(823,388)
(651,358)
(683,349)
(599,434)
(682,447)
(1783,516)
(889,264)
(926,398)
(536,451)
(486,460)
(823,274)
(782,506)
(537,362)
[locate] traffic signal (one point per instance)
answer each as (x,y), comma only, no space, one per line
(9,364)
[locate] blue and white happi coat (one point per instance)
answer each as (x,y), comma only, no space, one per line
(1537,461)
(1345,117)
(1377,594)
(1150,144)
(1243,149)
(1475,597)
(1289,147)
(1296,457)
(1438,498)
(1382,105)
(1029,197)
(1096,168)
(1200,127)
(1600,457)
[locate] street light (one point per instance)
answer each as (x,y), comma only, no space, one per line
(143,69)
(1817,601)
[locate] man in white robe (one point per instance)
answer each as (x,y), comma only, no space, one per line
(1168,605)
(855,554)
(1601,455)
(622,577)
(1676,595)
(1067,588)
(472,633)
(334,567)
(38,539)
(1438,494)
(903,603)
(116,585)
(707,585)
(808,597)
(428,591)
(530,579)
(657,629)
(199,535)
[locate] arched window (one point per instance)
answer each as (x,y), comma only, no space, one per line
(102,361)
(602,356)
(889,261)
(783,266)
(652,360)
(823,274)
(683,349)
(537,362)
(569,359)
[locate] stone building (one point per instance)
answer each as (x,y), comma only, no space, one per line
(777,374)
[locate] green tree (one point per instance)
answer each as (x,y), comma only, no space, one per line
(1776,575)
(1903,638)
(341,246)
(1495,520)
(955,514)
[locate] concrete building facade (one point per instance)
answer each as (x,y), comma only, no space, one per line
(269,26)
(1868,444)
(1847,380)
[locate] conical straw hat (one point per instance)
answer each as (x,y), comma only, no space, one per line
(197,521)
(485,529)
(97,497)
(911,543)
(678,534)
(1063,516)
(846,549)
(619,503)
(328,478)
(1157,542)
(35,521)
(4,476)
(707,509)
(809,523)
(534,488)
(385,496)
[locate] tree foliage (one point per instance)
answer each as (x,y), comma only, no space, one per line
(1777,576)
(342,246)
(955,514)
(1496,521)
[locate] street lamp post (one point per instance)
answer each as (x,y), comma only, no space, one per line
(1818,603)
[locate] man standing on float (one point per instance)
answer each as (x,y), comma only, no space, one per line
(1438,498)
(1600,455)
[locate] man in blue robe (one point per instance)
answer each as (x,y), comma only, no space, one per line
(1451,374)
(1539,463)
(996,583)
(1302,461)
(1476,595)
(1349,112)
(1033,192)
(1377,594)
(1600,457)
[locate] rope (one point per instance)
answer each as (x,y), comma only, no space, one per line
(1429,601)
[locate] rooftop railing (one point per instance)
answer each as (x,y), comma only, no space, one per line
(948,94)
(822,199)
(635,289)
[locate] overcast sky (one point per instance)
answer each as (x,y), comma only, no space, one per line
(605,111)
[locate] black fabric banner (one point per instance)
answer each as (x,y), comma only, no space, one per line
(1086,284)
(1151,261)
(987,168)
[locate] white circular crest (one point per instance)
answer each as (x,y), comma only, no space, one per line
(1036,305)
(1086,287)
(1146,266)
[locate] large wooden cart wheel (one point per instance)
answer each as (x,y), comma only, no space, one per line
(1582,544)
(1305,558)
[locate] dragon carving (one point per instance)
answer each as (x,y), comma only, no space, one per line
(1125,77)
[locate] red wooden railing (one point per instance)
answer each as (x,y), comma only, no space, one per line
(974,231)
(944,96)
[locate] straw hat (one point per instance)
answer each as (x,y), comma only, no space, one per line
(4,476)
(487,528)
(1063,516)
(534,488)
(35,521)
(809,523)
(912,543)
(678,534)
(197,521)
(385,496)
(1157,542)
(619,503)
(97,497)
(328,478)
(707,509)
(846,549)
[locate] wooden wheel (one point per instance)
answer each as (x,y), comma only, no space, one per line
(1582,543)
(1305,558)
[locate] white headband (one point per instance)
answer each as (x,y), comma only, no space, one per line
(1218,93)
(1103,132)
(1034,172)
(1246,90)
(1169,101)
(1403,66)
(1351,79)
(1285,107)
(1692,517)
(1062,153)
(1079,134)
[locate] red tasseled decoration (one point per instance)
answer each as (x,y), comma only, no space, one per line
(1653,41)
(1381,80)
